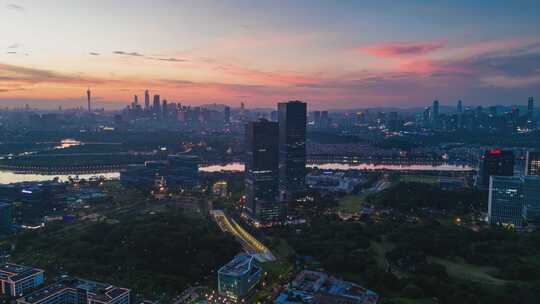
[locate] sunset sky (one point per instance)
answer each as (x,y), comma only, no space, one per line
(333,54)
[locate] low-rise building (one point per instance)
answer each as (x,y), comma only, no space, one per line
(238,277)
(16,280)
(68,290)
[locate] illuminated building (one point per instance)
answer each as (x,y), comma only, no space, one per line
(506,201)
(495,162)
(532,163)
(238,277)
(292,147)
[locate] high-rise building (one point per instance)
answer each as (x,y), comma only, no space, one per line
(238,277)
(146,100)
(6,218)
(531,193)
(261,173)
(506,201)
(227,114)
(459,107)
(325,119)
(530,107)
(532,163)
(495,162)
(16,280)
(292,147)
(156,108)
(89,99)
(435,112)
(165,108)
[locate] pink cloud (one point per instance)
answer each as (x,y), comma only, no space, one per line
(403,49)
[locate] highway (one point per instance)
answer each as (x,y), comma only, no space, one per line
(249,243)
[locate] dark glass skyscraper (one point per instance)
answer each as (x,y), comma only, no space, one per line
(261,173)
(292,147)
(495,162)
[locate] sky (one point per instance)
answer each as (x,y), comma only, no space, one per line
(332,54)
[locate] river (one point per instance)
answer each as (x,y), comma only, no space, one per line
(9,177)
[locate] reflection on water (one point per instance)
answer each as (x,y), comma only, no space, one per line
(8,177)
(239,167)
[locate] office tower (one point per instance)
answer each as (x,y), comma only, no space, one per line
(292,147)
(532,163)
(242,106)
(495,162)
(6,218)
(146,100)
(89,97)
(530,108)
(165,108)
(68,290)
(16,280)
(156,108)
(227,114)
(238,277)
(531,193)
(426,115)
(325,120)
(182,170)
(262,170)
(506,203)
(317,119)
(459,107)
(435,112)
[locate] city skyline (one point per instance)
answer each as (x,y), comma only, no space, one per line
(332,55)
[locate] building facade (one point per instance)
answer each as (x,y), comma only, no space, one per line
(506,204)
(77,291)
(16,280)
(261,173)
(495,162)
(532,163)
(292,147)
(238,277)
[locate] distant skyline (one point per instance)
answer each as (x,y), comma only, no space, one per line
(332,54)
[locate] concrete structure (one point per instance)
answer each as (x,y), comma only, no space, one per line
(16,280)
(506,203)
(69,290)
(238,277)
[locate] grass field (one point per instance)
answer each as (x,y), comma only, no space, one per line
(426,179)
(351,203)
(468,272)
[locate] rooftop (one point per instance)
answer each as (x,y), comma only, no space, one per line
(96,291)
(16,272)
(240,265)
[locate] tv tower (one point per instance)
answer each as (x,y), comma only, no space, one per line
(88,95)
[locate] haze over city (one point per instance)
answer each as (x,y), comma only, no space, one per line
(347,54)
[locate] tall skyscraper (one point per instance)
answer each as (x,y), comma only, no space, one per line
(435,112)
(227,114)
(530,107)
(89,98)
(459,107)
(156,108)
(495,162)
(531,193)
(292,147)
(146,100)
(165,108)
(532,163)
(506,204)
(262,170)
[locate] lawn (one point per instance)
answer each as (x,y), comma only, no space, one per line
(351,203)
(469,272)
(426,179)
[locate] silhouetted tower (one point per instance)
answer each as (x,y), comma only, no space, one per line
(89,97)
(146,100)
(530,107)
